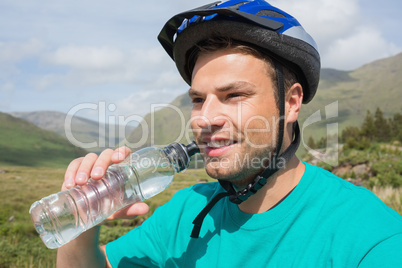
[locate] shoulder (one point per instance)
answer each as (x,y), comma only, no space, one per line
(340,188)
(331,184)
(352,215)
(355,205)
(385,254)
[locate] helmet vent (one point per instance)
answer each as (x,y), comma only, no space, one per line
(270,13)
(238,5)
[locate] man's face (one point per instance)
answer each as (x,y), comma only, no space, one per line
(234,117)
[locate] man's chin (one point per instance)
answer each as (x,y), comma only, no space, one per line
(239,177)
(216,172)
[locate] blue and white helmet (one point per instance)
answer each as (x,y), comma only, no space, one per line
(255,22)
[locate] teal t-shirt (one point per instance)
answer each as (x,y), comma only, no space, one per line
(324,222)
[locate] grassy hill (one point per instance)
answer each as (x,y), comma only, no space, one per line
(164,126)
(21,246)
(23,143)
(373,85)
(83,130)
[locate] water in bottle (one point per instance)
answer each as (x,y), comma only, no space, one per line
(61,217)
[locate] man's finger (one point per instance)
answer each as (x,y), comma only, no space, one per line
(84,170)
(69,176)
(120,154)
(101,164)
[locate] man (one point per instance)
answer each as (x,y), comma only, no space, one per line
(250,67)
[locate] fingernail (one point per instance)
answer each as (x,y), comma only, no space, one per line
(81,177)
(119,156)
(98,171)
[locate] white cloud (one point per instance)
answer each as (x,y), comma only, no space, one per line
(86,51)
(363,46)
(168,78)
(323,17)
(86,58)
(89,65)
(141,102)
(345,38)
(13,52)
(325,20)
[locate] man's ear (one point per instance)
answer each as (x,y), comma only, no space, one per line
(294,99)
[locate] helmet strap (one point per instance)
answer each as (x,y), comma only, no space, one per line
(259,181)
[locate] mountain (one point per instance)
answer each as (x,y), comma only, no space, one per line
(164,126)
(373,85)
(343,97)
(84,133)
(23,143)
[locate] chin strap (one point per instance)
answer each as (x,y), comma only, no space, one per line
(259,181)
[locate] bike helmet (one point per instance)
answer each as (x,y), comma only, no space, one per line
(261,25)
(255,22)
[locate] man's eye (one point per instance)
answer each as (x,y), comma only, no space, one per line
(197,100)
(234,95)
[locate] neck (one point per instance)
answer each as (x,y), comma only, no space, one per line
(277,187)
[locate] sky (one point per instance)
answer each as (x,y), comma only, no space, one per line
(101,59)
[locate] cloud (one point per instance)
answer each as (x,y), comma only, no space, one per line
(325,20)
(345,38)
(78,52)
(141,103)
(91,65)
(13,53)
(86,58)
(363,46)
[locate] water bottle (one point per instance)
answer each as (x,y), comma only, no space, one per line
(61,217)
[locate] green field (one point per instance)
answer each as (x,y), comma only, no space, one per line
(24,144)
(32,160)
(20,245)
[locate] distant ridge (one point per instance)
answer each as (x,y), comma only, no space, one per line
(352,93)
(164,126)
(373,85)
(376,84)
(23,143)
(93,136)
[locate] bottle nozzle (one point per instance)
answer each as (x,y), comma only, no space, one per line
(192,149)
(181,153)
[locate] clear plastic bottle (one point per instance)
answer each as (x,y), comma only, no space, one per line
(61,217)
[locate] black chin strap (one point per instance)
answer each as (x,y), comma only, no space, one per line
(259,181)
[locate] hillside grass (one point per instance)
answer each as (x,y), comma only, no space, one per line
(24,144)
(20,245)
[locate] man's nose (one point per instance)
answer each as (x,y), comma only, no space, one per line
(211,114)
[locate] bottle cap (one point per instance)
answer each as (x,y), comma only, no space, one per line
(181,154)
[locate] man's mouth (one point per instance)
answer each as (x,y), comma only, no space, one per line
(219,143)
(215,148)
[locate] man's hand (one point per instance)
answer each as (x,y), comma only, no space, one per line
(92,166)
